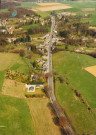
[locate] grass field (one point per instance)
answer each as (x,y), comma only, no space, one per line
(71,66)
(78,6)
(43,120)
(43,15)
(13,62)
(7,60)
(2,76)
(3,10)
(28,4)
(25,27)
(15,116)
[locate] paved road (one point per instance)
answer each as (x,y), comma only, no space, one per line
(68,130)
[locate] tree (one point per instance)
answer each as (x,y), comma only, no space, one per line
(22,53)
(47,76)
(63,121)
(34,64)
(64,33)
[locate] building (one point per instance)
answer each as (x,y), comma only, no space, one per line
(32,88)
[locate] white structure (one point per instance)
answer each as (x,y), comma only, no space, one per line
(32,88)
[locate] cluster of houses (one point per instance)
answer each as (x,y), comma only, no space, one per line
(7,28)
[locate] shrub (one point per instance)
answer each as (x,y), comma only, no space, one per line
(22,53)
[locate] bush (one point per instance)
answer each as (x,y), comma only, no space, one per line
(22,53)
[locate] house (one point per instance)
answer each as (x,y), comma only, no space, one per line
(80,49)
(85,39)
(3,30)
(30,88)
(10,40)
(95,40)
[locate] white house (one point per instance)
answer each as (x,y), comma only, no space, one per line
(31,88)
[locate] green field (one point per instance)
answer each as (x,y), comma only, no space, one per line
(2,75)
(42,14)
(15,117)
(78,6)
(25,27)
(3,10)
(71,66)
(13,62)
(28,4)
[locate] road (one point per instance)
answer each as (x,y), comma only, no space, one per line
(67,129)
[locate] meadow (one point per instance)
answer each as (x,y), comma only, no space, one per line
(71,66)
(15,117)
(25,27)
(77,7)
(28,4)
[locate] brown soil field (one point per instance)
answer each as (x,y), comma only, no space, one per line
(88,9)
(92,27)
(13,88)
(68,13)
(91,70)
(51,6)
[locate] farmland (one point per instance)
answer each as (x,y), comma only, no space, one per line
(51,6)
(43,121)
(71,67)
(28,116)
(14,62)
(81,8)
(15,117)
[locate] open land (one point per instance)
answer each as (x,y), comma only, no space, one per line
(19,115)
(91,70)
(15,117)
(43,119)
(13,88)
(81,8)
(51,6)
(71,67)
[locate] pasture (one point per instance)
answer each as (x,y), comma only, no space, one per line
(83,7)
(71,67)
(14,62)
(28,4)
(15,117)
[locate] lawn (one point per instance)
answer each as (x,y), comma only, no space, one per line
(43,119)
(15,117)
(71,65)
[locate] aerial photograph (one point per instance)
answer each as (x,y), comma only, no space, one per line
(47,67)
